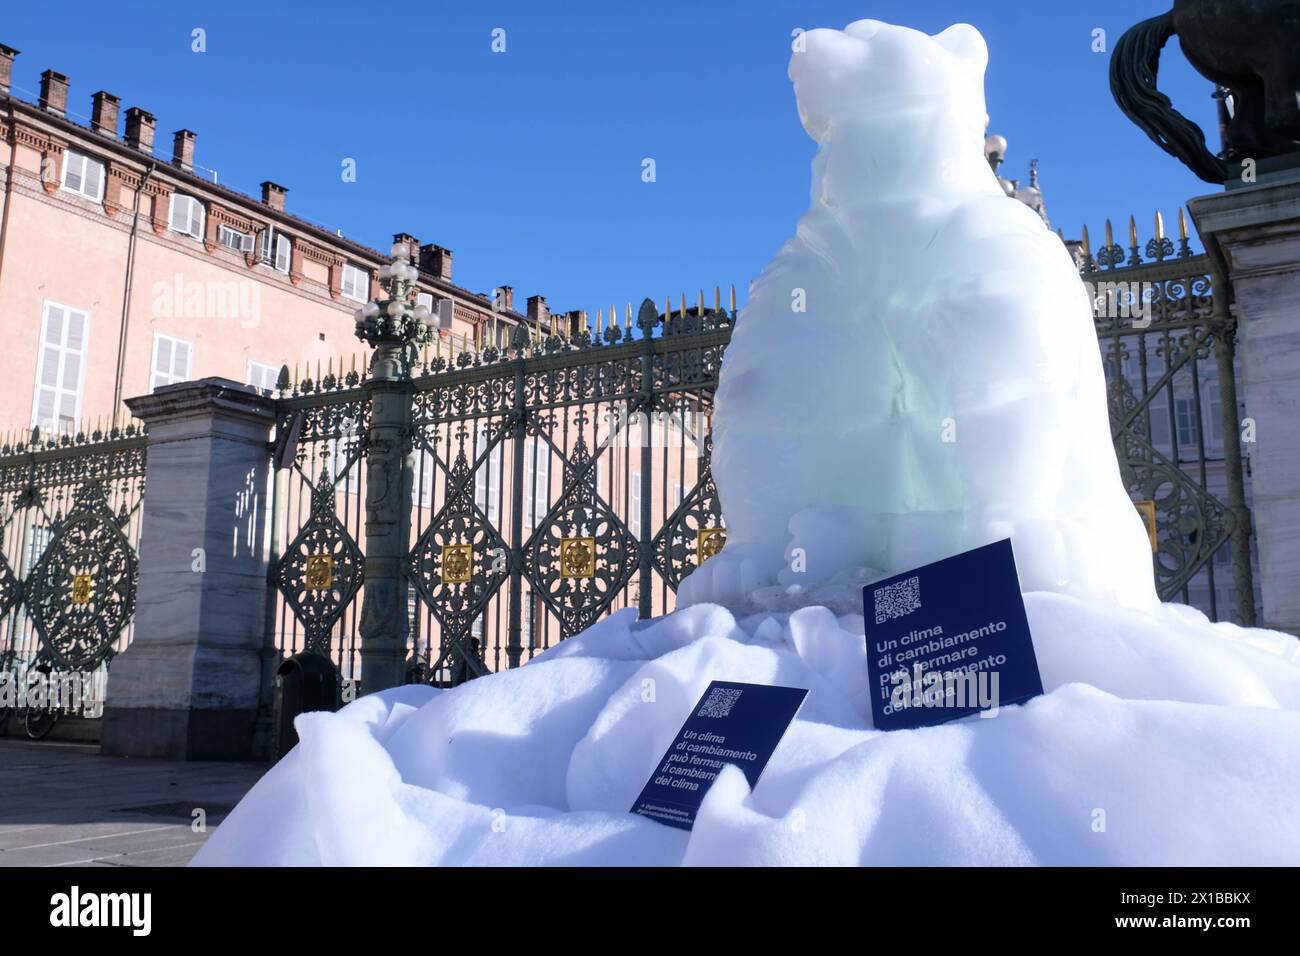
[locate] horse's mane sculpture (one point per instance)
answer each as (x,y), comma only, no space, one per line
(1249,47)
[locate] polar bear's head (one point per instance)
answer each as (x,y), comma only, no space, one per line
(870,69)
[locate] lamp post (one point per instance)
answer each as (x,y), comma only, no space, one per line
(395,328)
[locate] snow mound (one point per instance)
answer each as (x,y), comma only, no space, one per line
(1155,733)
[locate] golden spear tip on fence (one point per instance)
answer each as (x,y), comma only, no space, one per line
(1110,234)
(600,319)
(1087,246)
(1132,231)
(733,297)
(1160,226)
(1182,224)
(717,299)
(682,313)
(700,311)
(628,320)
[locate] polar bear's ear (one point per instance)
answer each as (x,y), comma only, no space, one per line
(963,40)
(863,29)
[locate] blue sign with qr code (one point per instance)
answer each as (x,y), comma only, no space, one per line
(949,640)
(732,723)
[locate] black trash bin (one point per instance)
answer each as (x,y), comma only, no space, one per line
(304,682)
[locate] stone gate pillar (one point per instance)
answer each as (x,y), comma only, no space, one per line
(1254,233)
(191,682)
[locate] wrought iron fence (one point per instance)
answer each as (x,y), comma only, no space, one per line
(69,536)
(1167,332)
(317,517)
(551,480)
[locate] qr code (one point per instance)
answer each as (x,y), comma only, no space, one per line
(896,600)
(720,701)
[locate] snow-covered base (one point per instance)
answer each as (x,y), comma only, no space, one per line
(1160,740)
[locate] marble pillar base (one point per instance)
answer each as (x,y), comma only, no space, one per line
(192,683)
(1254,232)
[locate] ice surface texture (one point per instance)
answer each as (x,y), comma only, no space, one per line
(937,308)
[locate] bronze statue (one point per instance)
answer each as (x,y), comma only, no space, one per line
(1249,47)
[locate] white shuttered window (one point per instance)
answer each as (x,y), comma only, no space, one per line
(60,368)
(187,215)
(171,361)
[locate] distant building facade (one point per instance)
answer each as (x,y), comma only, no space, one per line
(122,270)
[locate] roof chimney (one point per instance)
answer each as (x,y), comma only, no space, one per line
(7,54)
(54,93)
(537,311)
(139,129)
(103,113)
(409,241)
(273,195)
(437,260)
(183,149)
(505,298)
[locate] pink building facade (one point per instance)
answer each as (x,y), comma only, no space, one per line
(122,269)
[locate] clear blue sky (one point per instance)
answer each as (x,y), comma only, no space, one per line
(528,163)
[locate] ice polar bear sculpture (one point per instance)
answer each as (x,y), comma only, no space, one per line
(943,388)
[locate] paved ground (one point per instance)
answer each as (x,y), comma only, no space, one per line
(62,804)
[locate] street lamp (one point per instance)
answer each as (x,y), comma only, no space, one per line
(395,328)
(391,325)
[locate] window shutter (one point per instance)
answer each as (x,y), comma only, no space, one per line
(480,474)
(180,362)
(94,178)
(58,379)
(283,250)
(530,489)
(540,500)
(634,516)
(72,171)
(494,483)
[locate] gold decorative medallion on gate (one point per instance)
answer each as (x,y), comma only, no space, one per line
(708,542)
(577,557)
(82,587)
(1147,509)
(457,563)
(319,575)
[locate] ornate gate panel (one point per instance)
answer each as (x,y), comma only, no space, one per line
(1167,333)
(557,479)
(69,566)
(317,508)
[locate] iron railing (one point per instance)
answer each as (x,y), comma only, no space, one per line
(1167,331)
(70,517)
(550,481)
